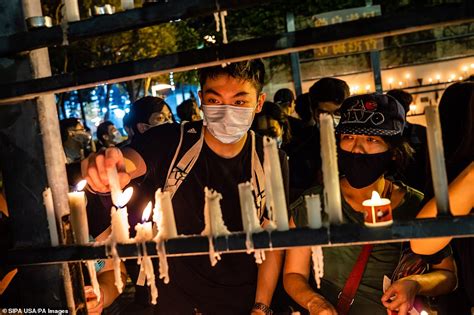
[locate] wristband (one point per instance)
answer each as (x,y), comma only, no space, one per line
(262,307)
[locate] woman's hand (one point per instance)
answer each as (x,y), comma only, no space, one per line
(400,296)
(320,306)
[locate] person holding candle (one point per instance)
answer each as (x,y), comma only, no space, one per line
(221,153)
(456,113)
(370,143)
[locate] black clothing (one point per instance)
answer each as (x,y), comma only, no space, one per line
(230,286)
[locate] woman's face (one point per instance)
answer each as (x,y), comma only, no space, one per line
(160,117)
(363,144)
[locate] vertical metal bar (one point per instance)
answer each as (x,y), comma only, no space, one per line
(295,57)
(377,72)
(52,145)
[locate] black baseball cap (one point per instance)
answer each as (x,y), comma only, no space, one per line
(371,114)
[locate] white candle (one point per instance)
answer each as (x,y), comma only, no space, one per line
(127,4)
(163,215)
(77,205)
(72,10)
(250,220)
(48,203)
(332,193)
(318,264)
(114,184)
(313,208)
(214,223)
(436,153)
(274,189)
(145,229)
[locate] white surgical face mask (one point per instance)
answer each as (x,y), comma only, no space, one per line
(117,137)
(227,123)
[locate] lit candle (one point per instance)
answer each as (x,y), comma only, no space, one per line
(313,208)
(250,221)
(332,193)
(144,230)
(77,204)
(378,211)
(436,154)
(274,189)
(120,225)
(72,10)
(163,215)
(48,203)
(214,223)
(144,234)
(127,4)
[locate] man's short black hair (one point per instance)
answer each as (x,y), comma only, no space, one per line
(328,90)
(65,124)
(284,97)
(251,70)
(185,110)
(403,97)
(103,129)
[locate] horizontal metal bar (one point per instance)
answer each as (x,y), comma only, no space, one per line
(336,235)
(376,27)
(118,22)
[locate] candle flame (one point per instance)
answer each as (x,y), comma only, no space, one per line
(80,186)
(124,197)
(375,196)
(146,212)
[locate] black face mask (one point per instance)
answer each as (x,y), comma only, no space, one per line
(361,170)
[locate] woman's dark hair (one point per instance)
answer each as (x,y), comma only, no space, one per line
(456,113)
(185,110)
(273,111)
(402,153)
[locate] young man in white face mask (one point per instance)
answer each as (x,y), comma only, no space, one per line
(219,152)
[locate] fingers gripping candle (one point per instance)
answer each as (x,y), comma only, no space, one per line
(274,189)
(214,223)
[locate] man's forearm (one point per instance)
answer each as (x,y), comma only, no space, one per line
(297,286)
(268,273)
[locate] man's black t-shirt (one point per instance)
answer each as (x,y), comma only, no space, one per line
(229,287)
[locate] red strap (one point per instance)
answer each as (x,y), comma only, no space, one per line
(346,296)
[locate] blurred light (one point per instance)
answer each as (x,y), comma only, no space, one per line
(390,80)
(104,110)
(438,77)
(460,78)
(119,113)
(127,110)
(400,83)
(159,87)
(412,107)
(423,312)
(367,87)
(472,65)
(465,68)
(127,102)
(407,76)
(430,80)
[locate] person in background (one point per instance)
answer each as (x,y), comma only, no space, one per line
(415,173)
(325,96)
(286,100)
(108,135)
(456,111)
(75,139)
(147,112)
(304,111)
(188,111)
(367,148)
(272,122)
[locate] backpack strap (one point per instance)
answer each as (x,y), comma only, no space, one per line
(258,178)
(177,174)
